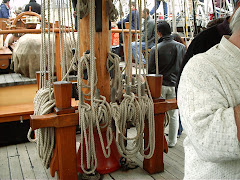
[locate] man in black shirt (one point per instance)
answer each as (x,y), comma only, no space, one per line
(35,7)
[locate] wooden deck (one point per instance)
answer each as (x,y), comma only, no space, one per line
(22,162)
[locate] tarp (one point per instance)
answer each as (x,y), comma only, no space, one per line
(26,54)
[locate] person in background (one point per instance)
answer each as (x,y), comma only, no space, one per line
(165,9)
(150,33)
(177,37)
(4,9)
(209,105)
(133,8)
(35,7)
(170,55)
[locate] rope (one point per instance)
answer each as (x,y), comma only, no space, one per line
(116,81)
(146,38)
(43,104)
(129,60)
(44,99)
(156,38)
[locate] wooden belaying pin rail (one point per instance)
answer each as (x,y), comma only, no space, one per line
(64,157)
(155,163)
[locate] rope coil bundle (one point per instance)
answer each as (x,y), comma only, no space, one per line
(116,81)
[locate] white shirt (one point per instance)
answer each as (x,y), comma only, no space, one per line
(208,91)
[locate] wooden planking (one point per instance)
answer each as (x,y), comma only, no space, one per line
(173,161)
(14,163)
(137,173)
(2,79)
(167,174)
(9,80)
(107,177)
(38,168)
(4,164)
(26,165)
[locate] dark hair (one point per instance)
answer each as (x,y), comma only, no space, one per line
(133,4)
(215,22)
(146,10)
(5,1)
(177,37)
(164,28)
(32,0)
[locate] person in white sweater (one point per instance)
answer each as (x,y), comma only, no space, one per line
(209,104)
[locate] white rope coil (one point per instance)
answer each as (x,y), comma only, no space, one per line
(43,104)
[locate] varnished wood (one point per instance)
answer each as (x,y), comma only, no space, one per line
(33,31)
(21,112)
(17,95)
(3,26)
(54,120)
(66,143)
(38,74)
(62,94)
(26,13)
(155,84)
(101,50)
(155,163)
(5,56)
(162,107)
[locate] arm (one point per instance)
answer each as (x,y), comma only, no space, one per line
(207,112)
(151,62)
(5,12)
(150,31)
(153,9)
(126,19)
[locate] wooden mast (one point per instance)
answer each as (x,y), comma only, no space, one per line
(101,49)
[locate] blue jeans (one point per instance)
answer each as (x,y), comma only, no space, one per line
(137,52)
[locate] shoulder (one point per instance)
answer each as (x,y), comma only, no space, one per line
(202,62)
(208,35)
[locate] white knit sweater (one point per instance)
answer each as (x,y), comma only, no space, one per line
(209,89)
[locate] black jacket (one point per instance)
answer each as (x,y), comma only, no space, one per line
(35,7)
(170,55)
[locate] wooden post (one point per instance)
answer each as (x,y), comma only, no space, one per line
(65,137)
(101,49)
(155,163)
(38,74)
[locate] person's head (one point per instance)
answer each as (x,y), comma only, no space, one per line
(18,11)
(145,11)
(6,1)
(177,37)
(133,7)
(32,1)
(163,29)
(235,22)
(215,22)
